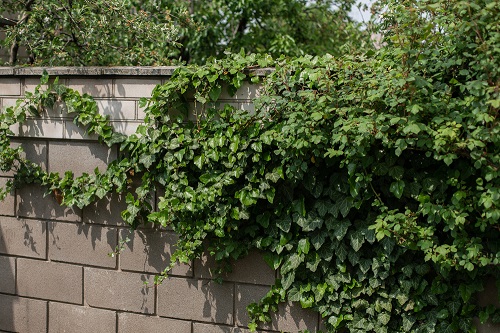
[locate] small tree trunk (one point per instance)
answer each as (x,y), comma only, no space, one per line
(14,49)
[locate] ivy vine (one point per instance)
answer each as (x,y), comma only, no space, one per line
(371,182)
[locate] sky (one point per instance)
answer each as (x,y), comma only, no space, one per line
(361,15)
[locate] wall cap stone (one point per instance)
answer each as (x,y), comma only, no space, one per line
(105,71)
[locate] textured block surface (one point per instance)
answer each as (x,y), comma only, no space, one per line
(7,274)
(34,150)
(116,109)
(149,250)
(10,86)
(94,87)
(125,127)
(119,290)
(22,237)
(74,132)
(54,281)
(79,157)
(7,205)
(210,328)
(137,87)
(129,322)
(43,128)
(31,83)
(198,300)
(106,211)
(289,318)
(19,314)
(32,202)
(83,244)
(80,319)
(250,269)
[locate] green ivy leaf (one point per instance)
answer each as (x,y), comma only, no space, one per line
(357,239)
(287,280)
(397,188)
(408,322)
(340,229)
(345,205)
(411,128)
(147,160)
(310,223)
(284,223)
(454,307)
(384,318)
(303,246)
(318,240)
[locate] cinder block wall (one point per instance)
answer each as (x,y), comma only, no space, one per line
(55,272)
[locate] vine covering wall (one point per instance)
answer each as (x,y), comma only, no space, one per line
(56,273)
(369,182)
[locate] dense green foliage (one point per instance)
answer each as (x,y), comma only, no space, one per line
(162,32)
(79,32)
(371,181)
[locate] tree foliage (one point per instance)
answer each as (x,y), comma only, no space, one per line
(81,32)
(159,32)
(371,181)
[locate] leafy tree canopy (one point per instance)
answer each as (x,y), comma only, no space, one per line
(163,32)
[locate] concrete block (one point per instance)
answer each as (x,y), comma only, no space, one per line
(74,132)
(54,281)
(322,325)
(149,251)
(129,322)
(119,290)
(34,150)
(80,319)
(136,87)
(15,129)
(209,328)
(487,327)
(89,155)
(7,206)
(92,241)
(245,295)
(139,70)
(59,110)
(32,82)
(292,318)
(8,102)
(489,296)
(42,128)
(10,86)
(106,210)
(247,106)
(141,112)
(60,71)
(116,109)
(198,300)
(7,275)
(94,87)
(19,314)
(197,111)
(32,202)
(4,55)
(247,92)
(250,269)
(125,127)
(22,237)
(289,318)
